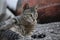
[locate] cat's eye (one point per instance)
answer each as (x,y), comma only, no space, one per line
(31,15)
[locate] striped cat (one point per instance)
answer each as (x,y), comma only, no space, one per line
(24,24)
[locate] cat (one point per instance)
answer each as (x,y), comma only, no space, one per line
(24,24)
(28,19)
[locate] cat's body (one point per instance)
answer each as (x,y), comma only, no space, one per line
(25,24)
(27,21)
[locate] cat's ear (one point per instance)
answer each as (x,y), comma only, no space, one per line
(36,7)
(26,6)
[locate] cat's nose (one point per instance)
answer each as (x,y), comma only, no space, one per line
(33,19)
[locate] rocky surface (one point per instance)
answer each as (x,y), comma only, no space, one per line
(50,30)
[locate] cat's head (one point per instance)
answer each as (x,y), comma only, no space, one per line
(31,11)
